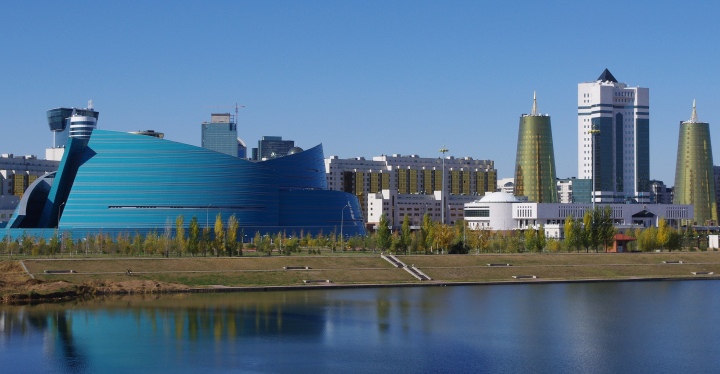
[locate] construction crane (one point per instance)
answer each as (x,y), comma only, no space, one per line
(236,106)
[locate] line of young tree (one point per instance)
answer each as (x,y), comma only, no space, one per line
(594,231)
(181,239)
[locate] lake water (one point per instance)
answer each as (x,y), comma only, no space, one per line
(623,327)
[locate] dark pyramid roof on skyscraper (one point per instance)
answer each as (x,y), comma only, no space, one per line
(607,76)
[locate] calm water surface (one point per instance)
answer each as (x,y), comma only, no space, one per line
(632,327)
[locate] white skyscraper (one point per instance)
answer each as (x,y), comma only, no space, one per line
(618,158)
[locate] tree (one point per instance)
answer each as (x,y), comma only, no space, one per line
(166,240)
(573,233)
(674,239)
(54,246)
(530,236)
(405,234)
(39,247)
(194,239)
(205,242)
(415,243)
(219,243)
(587,230)
(513,243)
(663,233)
(180,234)
(541,241)
(608,228)
(383,234)
(26,243)
(425,232)
(151,242)
(232,232)
(395,243)
(647,241)
(554,245)
(428,229)
(443,236)
(137,244)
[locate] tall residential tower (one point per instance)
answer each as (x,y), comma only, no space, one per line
(614,139)
(694,179)
(535,161)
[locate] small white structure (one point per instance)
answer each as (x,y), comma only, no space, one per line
(713,242)
(492,212)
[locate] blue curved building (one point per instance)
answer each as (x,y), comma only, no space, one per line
(121,182)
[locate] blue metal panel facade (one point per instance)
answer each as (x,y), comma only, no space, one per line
(133,183)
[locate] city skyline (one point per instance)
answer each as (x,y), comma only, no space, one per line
(362,79)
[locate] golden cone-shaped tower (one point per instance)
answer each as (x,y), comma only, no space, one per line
(694,180)
(535,161)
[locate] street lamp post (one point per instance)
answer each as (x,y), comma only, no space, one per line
(443,150)
(342,220)
(59,213)
(207,216)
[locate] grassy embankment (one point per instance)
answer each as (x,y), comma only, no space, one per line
(109,275)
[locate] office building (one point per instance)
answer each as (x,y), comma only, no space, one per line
(535,160)
(121,183)
(152,133)
(399,186)
(614,139)
(694,176)
(272,147)
(506,185)
(220,134)
(242,148)
(660,193)
(574,191)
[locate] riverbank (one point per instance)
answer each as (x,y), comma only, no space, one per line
(38,280)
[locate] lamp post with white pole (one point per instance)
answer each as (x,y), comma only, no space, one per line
(443,150)
(59,213)
(207,216)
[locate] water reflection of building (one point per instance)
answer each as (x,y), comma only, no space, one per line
(55,325)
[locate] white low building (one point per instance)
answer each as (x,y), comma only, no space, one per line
(501,211)
(396,206)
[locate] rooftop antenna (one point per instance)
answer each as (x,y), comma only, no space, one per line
(236,106)
(693,117)
(535,111)
(90,105)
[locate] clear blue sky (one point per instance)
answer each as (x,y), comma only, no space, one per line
(363,78)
